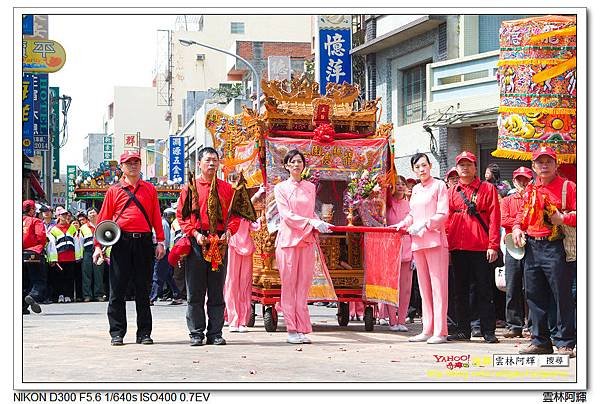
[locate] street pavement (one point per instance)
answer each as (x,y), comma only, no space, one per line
(70,343)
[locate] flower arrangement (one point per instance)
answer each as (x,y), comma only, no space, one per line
(361,186)
(363,195)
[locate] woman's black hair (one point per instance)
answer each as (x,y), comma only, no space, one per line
(415,157)
(291,154)
(495,171)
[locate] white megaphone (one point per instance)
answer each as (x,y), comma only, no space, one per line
(514,251)
(107,233)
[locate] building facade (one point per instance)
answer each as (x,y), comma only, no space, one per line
(133,111)
(436,76)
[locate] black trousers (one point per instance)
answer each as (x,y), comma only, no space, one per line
(34,279)
(515,297)
(472,266)
(201,280)
(130,259)
(547,275)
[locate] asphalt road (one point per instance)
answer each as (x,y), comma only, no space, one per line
(69,343)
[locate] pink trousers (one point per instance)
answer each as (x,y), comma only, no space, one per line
(295,270)
(357,309)
(432,272)
(397,315)
(238,288)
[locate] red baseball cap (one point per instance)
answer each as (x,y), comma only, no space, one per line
(181,248)
(28,204)
(466,155)
(128,155)
(544,151)
(450,171)
(524,171)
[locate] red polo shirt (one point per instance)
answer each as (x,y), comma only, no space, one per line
(132,220)
(464,231)
(192,223)
(553,193)
(510,207)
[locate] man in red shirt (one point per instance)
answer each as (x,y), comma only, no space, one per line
(34,240)
(510,206)
(200,279)
(133,204)
(545,267)
(473,246)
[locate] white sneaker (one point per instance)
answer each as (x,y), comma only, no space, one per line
(437,340)
(398,327)
(61,299)
(233,328)
(304,338)
(293,338)
(67,299)
(419,338)
(383,321)
(242,328)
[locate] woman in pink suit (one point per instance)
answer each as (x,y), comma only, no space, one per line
(295,245)
(426,224)
(397,209)
(238,283)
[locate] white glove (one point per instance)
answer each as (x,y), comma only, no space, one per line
(321,226)
(416,228)
(397,226)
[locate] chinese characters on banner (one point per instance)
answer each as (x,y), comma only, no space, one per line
(40,115)
(176,159)
(55,131)
(71,174)
(335,42)
(27,91)
(108,148)
(131,141)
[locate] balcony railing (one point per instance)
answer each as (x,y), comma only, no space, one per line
(467,83)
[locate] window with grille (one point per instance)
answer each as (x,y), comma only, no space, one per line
(237,28)
(413,94)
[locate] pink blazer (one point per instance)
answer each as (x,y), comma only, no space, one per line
(296,205)
(429,204)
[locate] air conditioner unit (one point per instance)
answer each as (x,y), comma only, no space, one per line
(200,56)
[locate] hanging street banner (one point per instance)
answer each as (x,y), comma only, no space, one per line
(176,160)
(55,131)
(41,140)
(108,148)
(27,24)
(71,175)
(27,95)
(333,53)
(43,56)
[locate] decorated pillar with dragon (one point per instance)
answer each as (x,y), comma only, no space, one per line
(538,89)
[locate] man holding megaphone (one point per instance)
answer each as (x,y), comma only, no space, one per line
(132,204)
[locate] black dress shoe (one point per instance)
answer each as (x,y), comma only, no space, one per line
(144,340)
(195,341)
(116,341)
(490,338)
(216,341)
(459,336)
